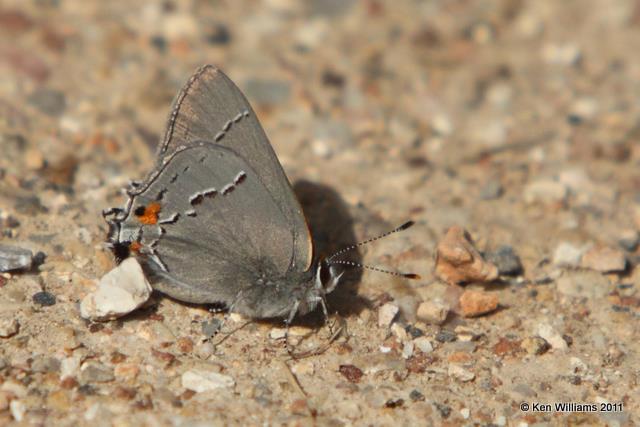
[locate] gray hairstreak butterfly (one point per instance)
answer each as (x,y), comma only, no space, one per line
(216,220)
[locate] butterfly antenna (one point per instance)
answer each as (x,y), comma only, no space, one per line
(373,239)
(369,267)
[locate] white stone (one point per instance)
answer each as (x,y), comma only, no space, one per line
(460,373)
(550,335)
(423,344)
(119,292)
(568,255)
(465,413)
(304,368)
(69,366)
(200,380)
(17,409)
(386,313)
(407,349)
(399,332)
(8,325)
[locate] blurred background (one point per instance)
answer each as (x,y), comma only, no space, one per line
(519,120)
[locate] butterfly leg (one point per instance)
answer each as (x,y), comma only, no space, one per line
(287,322)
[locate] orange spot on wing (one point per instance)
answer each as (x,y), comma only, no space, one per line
(150,214)
(135,246)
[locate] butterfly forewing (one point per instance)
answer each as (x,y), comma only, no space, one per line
(211,108)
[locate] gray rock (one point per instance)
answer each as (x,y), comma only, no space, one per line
(50,102)
(14,258)
(119,292)
(629,240)
(94,372)
(506,259)
(43,363)
(491,190)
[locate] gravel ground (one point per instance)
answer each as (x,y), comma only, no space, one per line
(516,121)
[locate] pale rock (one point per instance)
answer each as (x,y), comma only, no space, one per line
(201,380)
(119,292)
(9,325)
(386,314)
(305,367)
(17,409)
(568,255)
(407,349)
(545,191)
(549,334)
(423,344)
(14,258)
(69,366)
(399,332)
(433,312)
(460,373)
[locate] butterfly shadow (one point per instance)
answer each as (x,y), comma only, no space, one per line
(331,227)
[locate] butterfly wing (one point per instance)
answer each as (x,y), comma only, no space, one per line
(210,107)
(208,226)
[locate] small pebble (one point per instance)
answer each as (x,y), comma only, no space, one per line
(604,259)
(491,190)
(506,259)
(445,335)
(386,314)
(414,332)
(407,349)
(44,298)
(629,240)
(119,292)
(305,367)
(534,345)
(460,373)
(567,255)
(92,372)
(444,410)
(477,303)
(433,312)
(465,413)
(17,409)
(351,373)
(9,326)
(423,344)
(200,380)
(550,335)
(14,258)
(416,396)
(458,261)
